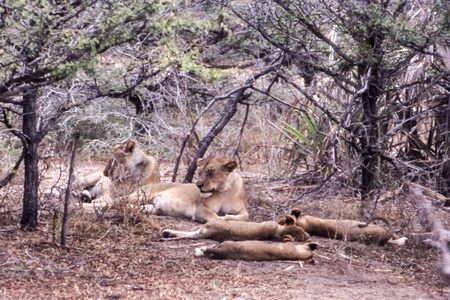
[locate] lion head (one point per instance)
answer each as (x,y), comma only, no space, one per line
(213,174)
(293,232)
(129,163)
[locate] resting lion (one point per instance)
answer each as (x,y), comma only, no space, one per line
(128,167)
(348,230)
(258,250)
(220,230)
(218,194)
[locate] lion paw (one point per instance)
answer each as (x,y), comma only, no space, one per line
(167,234)
(85,196)
(200,252)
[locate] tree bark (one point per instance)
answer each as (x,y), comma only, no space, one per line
(28,220)
(65,221)
(222,121)
(369,154)
(224,118)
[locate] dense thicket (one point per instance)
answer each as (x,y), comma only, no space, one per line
(373,69)
(45,46)
(358,87)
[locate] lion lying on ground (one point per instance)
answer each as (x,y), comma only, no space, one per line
(220,230)
(218,193)
(129,167)
(348,230)
(258,250)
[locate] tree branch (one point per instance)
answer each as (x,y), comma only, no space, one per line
(310,98)
(194,124)
(241,131)
(13,173)
(314,30)
(226,115)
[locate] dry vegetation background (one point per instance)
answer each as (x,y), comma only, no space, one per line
(291,154)
(118,254)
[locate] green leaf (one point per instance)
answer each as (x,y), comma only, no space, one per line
(312,125)
(296,133)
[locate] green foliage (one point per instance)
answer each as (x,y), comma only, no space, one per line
(311,138)
(60,39)
(181,39)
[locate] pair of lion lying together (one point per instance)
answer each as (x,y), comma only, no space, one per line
(133,177)
(288,229)
(217,197)
(244,240)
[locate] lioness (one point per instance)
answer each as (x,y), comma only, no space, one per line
(128,167)
(258,250)
(220,230)
(219,194)
(97,185)
(349,230)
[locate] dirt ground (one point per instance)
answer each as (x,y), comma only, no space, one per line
(120,256)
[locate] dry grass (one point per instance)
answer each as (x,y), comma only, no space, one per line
(117,256)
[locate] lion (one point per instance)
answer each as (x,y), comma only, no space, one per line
(259,251)
(348,230)
(128,167)
(97,185)
(220,230)
(218,194)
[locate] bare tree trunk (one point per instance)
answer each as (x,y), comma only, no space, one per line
(68,192)
(28,220)
(369,155)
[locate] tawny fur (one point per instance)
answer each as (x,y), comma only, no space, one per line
(221,230)
(219,194)
(348,230)
(259,251)
(127,169)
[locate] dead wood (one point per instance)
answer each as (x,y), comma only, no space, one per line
(68,192)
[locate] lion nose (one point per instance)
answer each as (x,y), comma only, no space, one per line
(200,185)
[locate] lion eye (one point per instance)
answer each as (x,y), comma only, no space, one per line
(209,173)
(288,238)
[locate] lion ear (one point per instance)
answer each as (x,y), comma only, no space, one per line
(200,162)
(107,170)
(230,166)
(131,145)
(312,246)
(290,220)
(296,213)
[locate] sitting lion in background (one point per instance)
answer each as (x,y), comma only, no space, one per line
(128,168)
(258,250)
(348,230)
(220,230)
(97,185)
